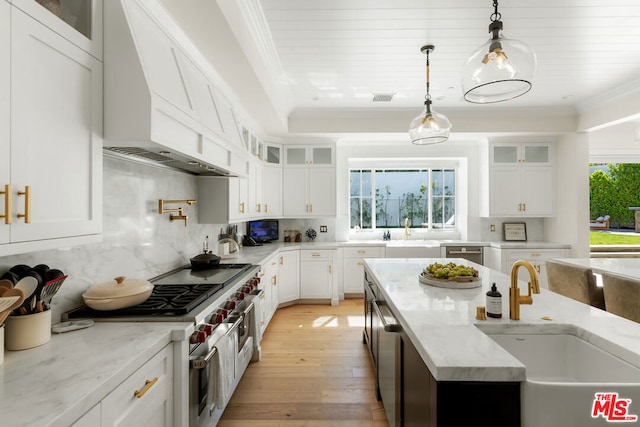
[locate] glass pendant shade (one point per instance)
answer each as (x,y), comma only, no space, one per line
(429,127)
(499,70)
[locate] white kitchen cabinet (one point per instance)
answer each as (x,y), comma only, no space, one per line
(272,154)
(309,156)
(521,180)
(145,398)
(255,206)
(55,148)
(268,283)
(316,274)
(353,266)
(272,191)
(222,200)
(81,23)
(5,120)
(309,191)
(505,258)
(289,276)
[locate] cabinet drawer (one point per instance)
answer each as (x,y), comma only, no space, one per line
(323,254)
(363,252)
(148,387)
(535,254)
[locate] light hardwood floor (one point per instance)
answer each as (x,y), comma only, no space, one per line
(314,371)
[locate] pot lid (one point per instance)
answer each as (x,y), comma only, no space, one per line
(117,288)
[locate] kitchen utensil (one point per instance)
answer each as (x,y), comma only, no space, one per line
(50,289)
(206,259)
(10,276)
(53,273)
(17,303)
(28,286)
(7,284)
(71,326)
(118,293)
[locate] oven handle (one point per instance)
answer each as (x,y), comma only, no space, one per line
(478,252)
(202,362)
(248,309)
(388,327)
(234,326)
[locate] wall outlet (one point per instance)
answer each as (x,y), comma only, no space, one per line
(323,228)
(493,227)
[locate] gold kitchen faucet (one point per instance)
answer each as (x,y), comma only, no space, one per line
(515,299)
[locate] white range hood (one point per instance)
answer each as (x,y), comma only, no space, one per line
(162,100)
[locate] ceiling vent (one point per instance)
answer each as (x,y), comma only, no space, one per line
(382,97)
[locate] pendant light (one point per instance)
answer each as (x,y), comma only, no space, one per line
(499,70)
(429,127)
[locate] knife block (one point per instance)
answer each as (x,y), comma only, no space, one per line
(27,331)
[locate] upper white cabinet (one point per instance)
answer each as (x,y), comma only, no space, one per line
(5,121)
(521,180)
(309,181)
(55,145)
(309,155)
(222,200)
(272,191)
(80,22)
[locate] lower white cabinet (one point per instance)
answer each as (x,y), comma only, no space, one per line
(90,419)
(145,398)
(353,266)
(316,274)
(289,276)
(504,259)
(268,284)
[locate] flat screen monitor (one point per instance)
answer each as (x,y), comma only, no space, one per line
(262,231)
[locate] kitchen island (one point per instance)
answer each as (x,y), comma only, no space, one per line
(440,325)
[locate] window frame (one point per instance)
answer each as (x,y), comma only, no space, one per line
(407,164)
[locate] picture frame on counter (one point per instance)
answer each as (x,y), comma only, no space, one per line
(515,231)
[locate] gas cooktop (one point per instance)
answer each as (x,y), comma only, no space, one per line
(175,293)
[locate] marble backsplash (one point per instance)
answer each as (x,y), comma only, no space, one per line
(137,241)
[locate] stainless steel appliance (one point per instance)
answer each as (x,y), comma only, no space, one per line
(219,303)
(471,253)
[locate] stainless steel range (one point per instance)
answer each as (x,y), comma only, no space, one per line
(221,302)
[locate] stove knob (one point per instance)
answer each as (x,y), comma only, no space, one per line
(224,312)
(198,337)
(240,295)
(219,318)
(255,281)
(230,305)
(207,328)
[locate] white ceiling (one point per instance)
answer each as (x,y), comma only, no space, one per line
(333,55)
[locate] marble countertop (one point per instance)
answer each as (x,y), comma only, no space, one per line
(259,254)
(441,322)
(56,383)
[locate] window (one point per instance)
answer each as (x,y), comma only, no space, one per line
(383,198)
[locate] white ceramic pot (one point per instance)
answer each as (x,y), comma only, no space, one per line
(118,293)
(27,331)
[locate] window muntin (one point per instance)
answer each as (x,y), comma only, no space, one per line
(383,198)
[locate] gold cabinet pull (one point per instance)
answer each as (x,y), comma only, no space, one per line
(315,254)
(330,269)
(274,280)
(362,252)
(361,264)
(7,204)
(242,207)
(259,208)
(147,385)
(281,260)
(524,206)
(27,204)
(310,207)
(266,208)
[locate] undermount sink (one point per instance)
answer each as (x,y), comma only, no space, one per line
(564,373)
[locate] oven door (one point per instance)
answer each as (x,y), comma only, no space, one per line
(202,370)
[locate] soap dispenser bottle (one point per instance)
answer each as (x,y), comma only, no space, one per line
(494,302)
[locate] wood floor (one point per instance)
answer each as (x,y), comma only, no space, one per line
(314,371)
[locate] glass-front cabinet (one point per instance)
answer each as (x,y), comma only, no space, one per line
(272,154)
(312,155)
(79,21)
(503,154)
